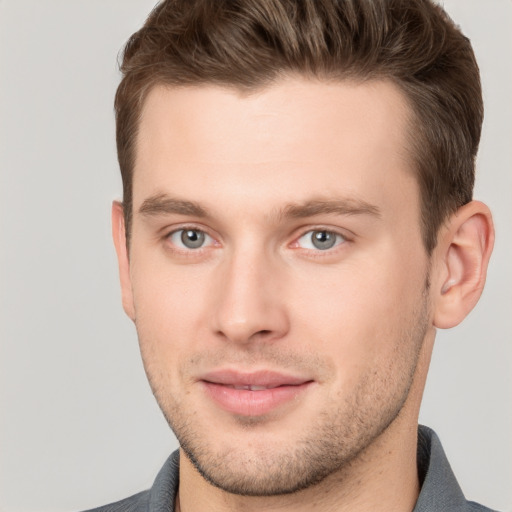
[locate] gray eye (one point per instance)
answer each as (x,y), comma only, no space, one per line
(323,239)
(192,238)
(320,240)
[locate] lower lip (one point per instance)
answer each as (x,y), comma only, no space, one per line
(245,402)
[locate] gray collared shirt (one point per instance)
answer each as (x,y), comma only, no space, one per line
(440,491)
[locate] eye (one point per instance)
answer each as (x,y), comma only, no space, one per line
(320,239)
(190,238)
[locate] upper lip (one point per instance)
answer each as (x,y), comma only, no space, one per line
(263,379)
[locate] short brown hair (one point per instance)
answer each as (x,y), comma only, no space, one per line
(248,44)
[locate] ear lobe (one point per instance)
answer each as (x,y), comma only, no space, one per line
(119,236)
(464,251)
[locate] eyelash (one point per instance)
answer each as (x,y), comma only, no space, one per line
(339,239)
(295,244)
(185,250)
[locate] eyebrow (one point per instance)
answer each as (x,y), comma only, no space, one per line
(346,206)
(164,204)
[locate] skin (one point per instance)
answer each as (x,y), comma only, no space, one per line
(356,322)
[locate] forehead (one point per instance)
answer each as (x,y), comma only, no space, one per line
(294,138)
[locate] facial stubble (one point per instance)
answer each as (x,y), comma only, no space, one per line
(339,435)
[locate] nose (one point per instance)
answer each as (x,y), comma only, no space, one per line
(249,301)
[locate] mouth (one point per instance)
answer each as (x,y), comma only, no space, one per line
(251,388)
(253,394)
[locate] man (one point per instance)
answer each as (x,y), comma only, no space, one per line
(297,222)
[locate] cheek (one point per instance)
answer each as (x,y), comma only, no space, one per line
(358,314)
(168,315)
(168,296)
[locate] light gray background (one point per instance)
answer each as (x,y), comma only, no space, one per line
(79,426)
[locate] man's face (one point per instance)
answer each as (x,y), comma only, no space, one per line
(277,275)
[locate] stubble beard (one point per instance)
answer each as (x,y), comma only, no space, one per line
(340,434)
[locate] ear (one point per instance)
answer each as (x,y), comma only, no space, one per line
(119,236)
(462,256)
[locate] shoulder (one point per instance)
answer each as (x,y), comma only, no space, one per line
(136,503)
(440,489)
(160,497)
(476,507)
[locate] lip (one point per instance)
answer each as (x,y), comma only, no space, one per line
(253,394)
